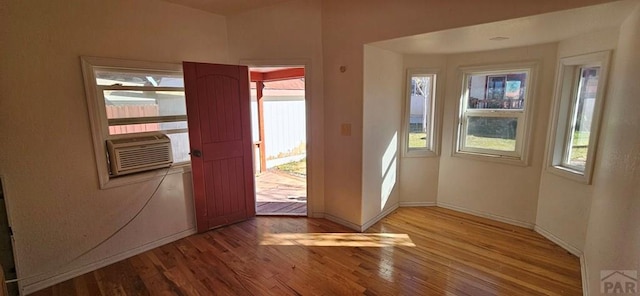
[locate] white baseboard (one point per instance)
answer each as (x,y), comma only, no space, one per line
(585,275)
(58,278)
(558,241)
(375,219)
(408,204)
(571,249)
(378,217)
(342,222)
(316,215)
(487,215)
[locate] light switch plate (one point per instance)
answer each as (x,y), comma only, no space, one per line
(345,129)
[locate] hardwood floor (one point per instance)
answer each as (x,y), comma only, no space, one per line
(413,251)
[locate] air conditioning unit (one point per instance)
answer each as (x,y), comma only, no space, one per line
(133,155)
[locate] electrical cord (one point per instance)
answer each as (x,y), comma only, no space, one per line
(109,237)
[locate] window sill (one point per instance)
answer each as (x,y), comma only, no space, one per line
(177,168)
(511,160)
(570,174)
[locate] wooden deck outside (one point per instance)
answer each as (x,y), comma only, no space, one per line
(413,251)
(279,193)
(282,208)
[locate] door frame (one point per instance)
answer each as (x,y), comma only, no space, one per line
(257,63)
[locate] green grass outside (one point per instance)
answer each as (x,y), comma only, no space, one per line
(581,138)
(295,168)
(578,151)
(417,140)
(579,148)
(491,143)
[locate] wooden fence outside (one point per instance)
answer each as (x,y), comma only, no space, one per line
(128,111)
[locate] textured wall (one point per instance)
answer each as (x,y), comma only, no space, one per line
(613,234)
(501,190)
(563,204)
(289,34)
(57,209)
(346,27)
(383,84)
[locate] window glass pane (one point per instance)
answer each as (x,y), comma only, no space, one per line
(501,91)
(146,127)
(494,133)
(151,79)
(578,142)
(180,146)
(420,105)
(130,104)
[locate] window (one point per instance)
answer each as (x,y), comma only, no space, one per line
(128,98)
(420,119)
(577,104)
(494,110)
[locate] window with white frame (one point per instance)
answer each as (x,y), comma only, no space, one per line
(420,113)
(577,110)
(494,110)
(129,98)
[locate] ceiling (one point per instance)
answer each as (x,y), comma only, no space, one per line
(538,29)
(226,7)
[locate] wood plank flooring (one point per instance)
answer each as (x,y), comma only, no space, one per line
(274,185)
(290,208)
(280,193)
(413,251)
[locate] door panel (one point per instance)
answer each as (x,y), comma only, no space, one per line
(218,113)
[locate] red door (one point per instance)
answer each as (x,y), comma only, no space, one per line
(218,113)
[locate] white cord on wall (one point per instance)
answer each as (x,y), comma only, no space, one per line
(108,237)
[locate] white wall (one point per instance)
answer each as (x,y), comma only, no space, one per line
(502,191)
(613,232)
(346,27)
(47,161)
(419,175)
(57,210)
(563,204)
(382,109)
(284,34)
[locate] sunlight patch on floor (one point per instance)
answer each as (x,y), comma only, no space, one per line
(374,240)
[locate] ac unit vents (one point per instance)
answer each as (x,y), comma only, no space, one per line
(132,155)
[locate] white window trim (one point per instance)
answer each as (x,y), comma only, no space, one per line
(433,149)
(563,102)
(523,142)
(99,122)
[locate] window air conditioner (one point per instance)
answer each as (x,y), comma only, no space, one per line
(132,155)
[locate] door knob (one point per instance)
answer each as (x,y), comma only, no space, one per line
(196,153)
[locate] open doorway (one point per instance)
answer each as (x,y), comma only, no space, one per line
(279,135)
